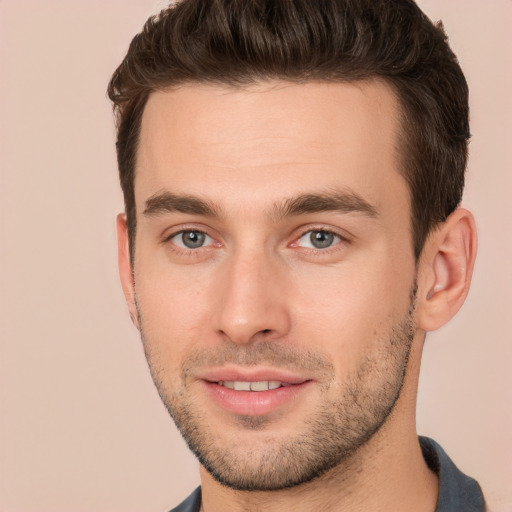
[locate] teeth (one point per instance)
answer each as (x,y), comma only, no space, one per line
(259,386)
(252,386)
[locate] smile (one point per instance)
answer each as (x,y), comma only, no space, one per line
(255,397)
(264,385)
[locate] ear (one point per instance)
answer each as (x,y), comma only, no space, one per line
(446,267)
(125,267)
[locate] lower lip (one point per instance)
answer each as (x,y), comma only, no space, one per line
(254,403)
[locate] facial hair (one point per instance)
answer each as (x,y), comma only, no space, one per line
(331,434)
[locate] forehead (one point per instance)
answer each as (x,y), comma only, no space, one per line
(270,139)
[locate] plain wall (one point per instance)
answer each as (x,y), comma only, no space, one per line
(81,427)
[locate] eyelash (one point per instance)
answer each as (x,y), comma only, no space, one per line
(189,251)
(340,239)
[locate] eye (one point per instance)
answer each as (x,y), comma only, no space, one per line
(318,239)
(191,239)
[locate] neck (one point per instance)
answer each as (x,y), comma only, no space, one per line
(400,482)
(387,473)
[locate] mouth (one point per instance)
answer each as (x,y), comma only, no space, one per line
(255,395)
(262,385)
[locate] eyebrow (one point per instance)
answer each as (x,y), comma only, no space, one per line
(166,202)
(337,201)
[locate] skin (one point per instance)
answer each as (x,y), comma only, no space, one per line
(257,295)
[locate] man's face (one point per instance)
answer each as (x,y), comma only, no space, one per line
(274,253)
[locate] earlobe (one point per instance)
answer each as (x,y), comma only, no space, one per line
(125,267)
(446,270)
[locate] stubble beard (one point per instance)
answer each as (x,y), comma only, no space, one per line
(330,436)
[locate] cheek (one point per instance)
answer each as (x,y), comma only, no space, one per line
(345,310)
(175,307)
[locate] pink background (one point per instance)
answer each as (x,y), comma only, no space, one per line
(81,426)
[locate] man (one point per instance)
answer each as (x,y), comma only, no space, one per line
(292,172)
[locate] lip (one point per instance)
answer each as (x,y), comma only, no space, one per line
(253,403)
(252,375)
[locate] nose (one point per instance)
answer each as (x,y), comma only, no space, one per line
(252,301)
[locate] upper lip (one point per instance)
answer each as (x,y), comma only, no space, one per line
(251,374)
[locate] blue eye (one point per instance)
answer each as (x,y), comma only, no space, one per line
(318,239)
(191,239)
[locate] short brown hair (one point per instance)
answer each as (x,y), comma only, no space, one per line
(240,42)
